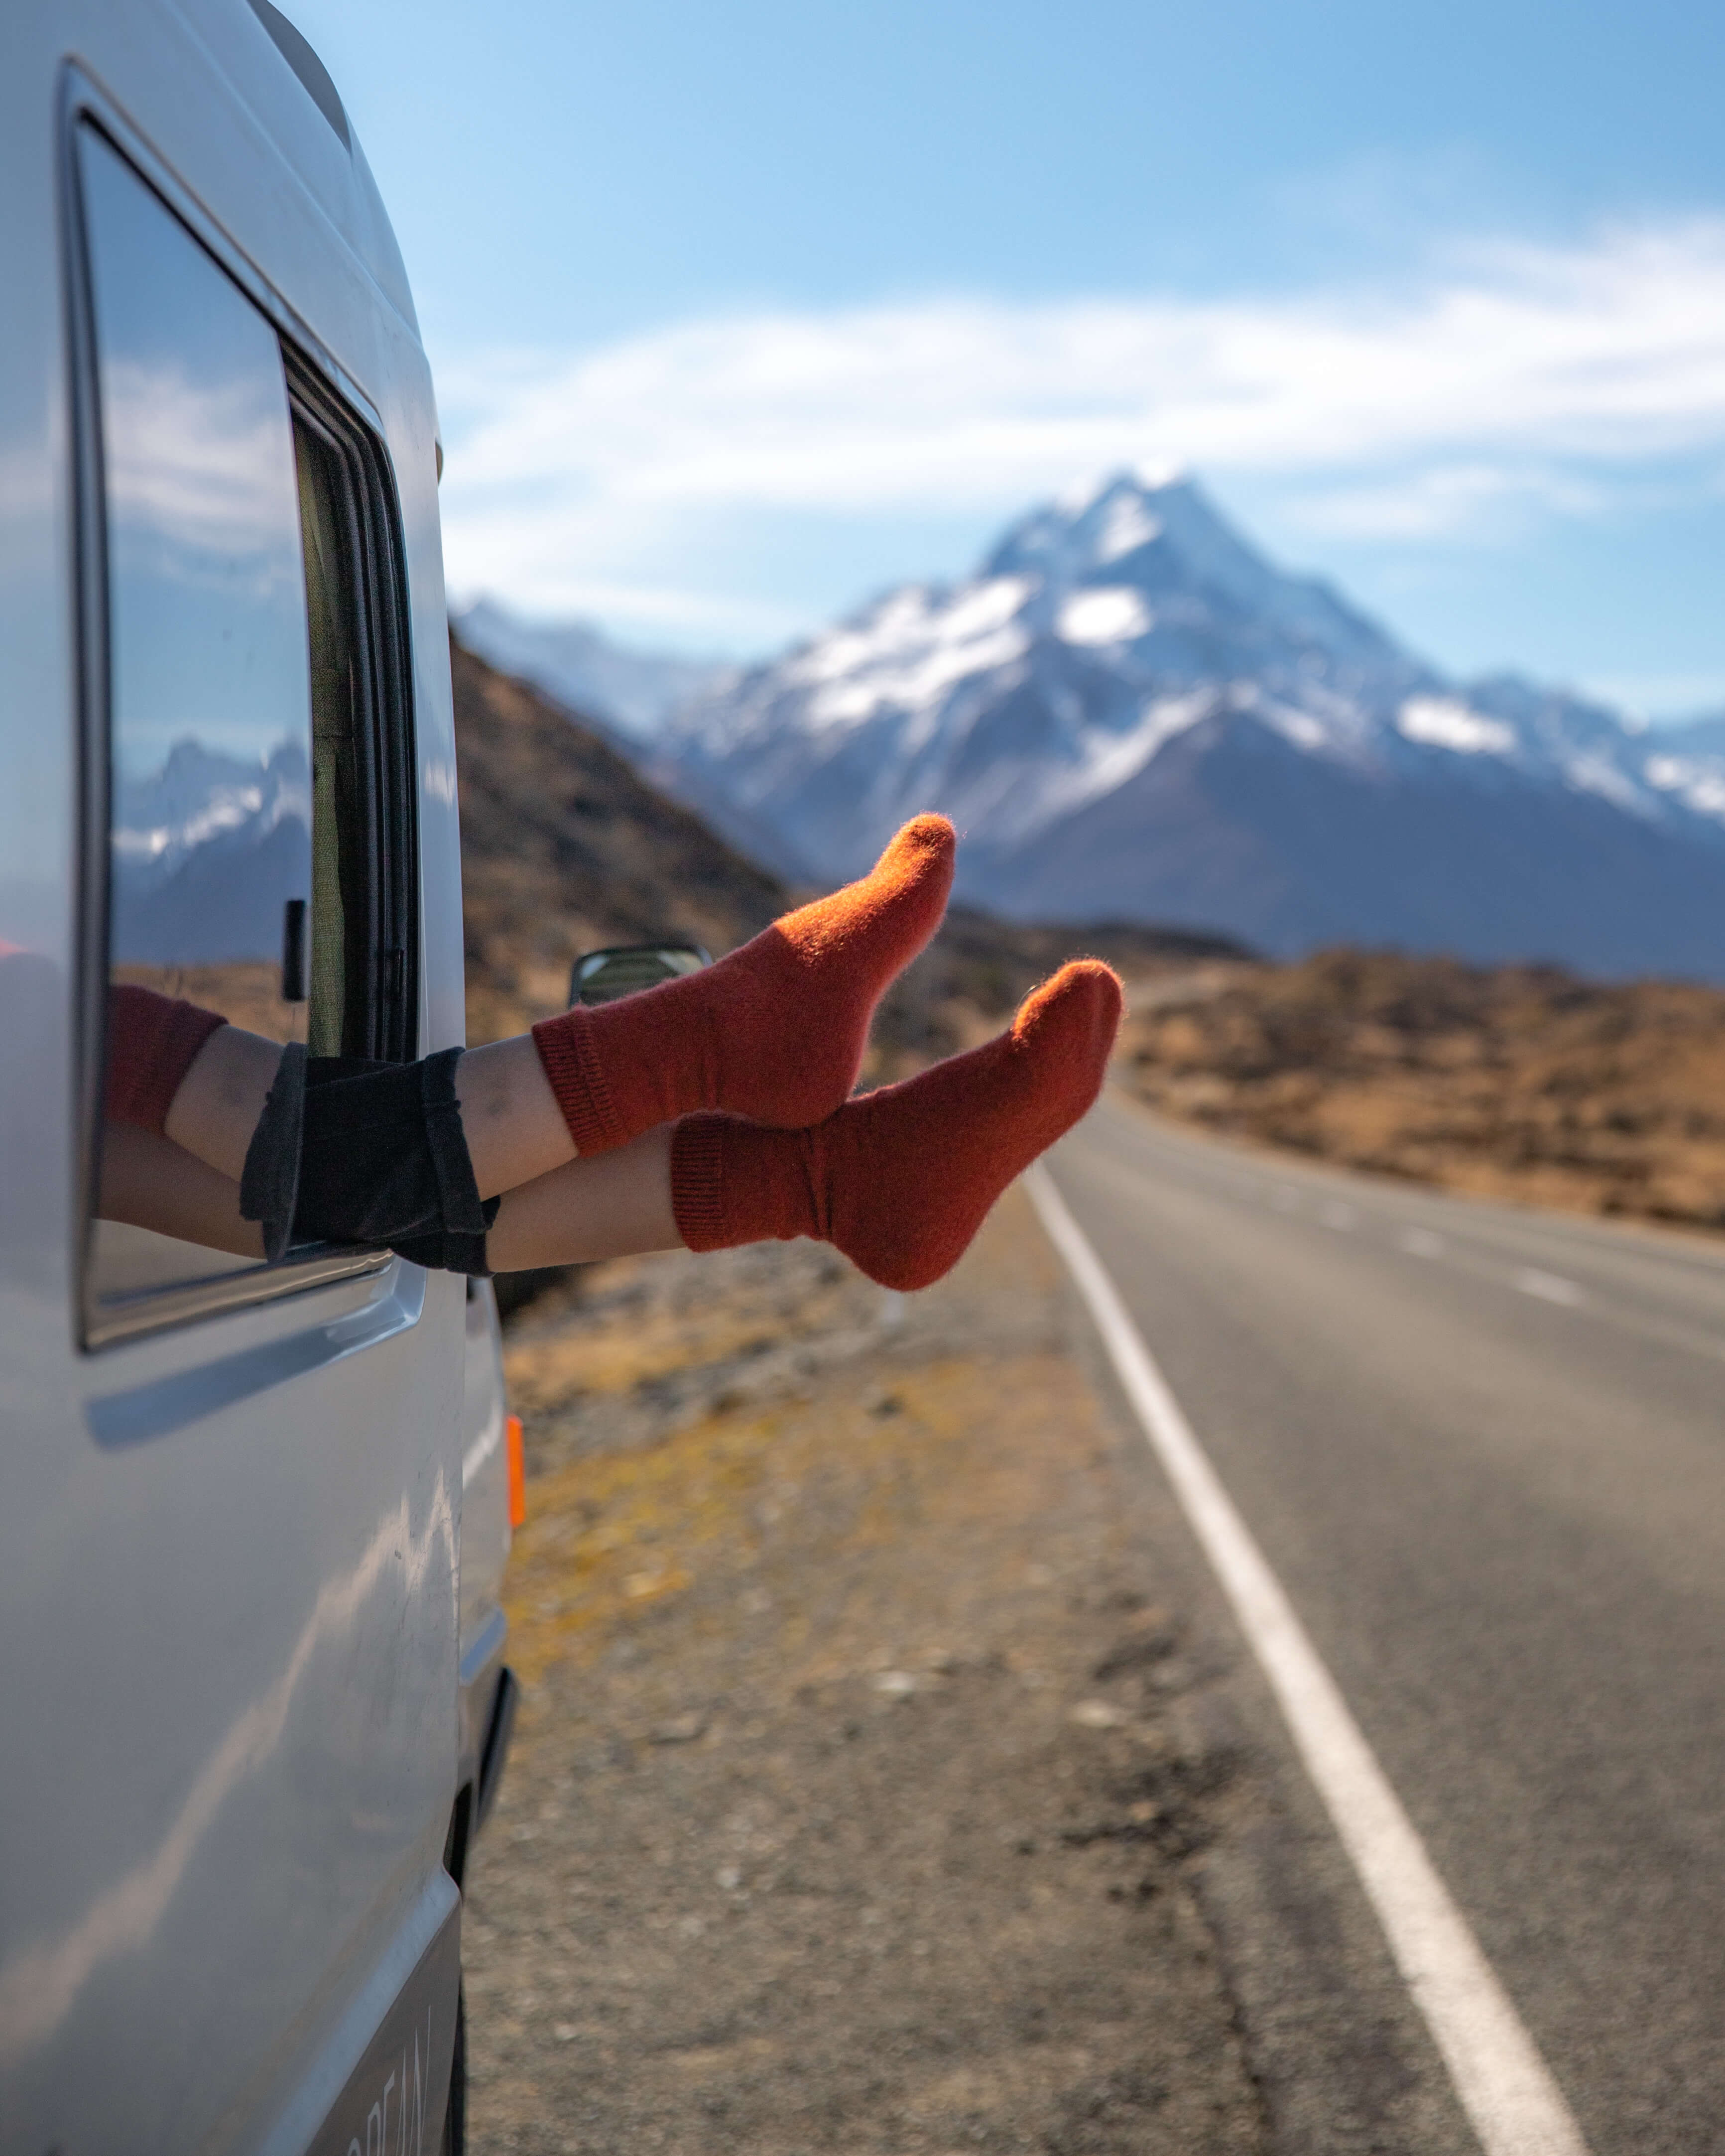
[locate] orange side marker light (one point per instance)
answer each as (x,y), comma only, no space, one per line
(517,1470)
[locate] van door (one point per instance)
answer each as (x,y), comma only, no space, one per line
(226,1920)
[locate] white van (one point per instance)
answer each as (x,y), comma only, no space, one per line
(253,1517)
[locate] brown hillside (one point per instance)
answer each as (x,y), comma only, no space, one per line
(565,848)
(1508,1081)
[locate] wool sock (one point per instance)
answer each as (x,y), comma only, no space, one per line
(775,1031)
(900,1179)
(153,1041)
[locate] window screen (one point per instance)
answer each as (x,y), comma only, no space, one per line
(247,855)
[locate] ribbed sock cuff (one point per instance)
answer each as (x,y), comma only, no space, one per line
(571,1062)
(697,1181)
(153,1040)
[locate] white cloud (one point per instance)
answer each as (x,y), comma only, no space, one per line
(201,472)
(1515,376)
(1443,498)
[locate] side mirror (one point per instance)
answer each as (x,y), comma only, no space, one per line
(601,977)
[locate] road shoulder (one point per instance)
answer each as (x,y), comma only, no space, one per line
(889,1778)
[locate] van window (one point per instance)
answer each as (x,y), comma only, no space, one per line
(249,865)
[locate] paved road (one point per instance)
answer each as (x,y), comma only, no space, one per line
(1485,1451)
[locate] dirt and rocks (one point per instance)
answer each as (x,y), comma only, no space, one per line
(1516,1082)
(862,1783)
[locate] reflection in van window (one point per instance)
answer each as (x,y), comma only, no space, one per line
(209,694)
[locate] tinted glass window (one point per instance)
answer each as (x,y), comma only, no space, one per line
(210,875)
(210,743)
(255,731)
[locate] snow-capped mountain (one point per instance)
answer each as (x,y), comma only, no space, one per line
(1132,714)
(205,852)
(631,692)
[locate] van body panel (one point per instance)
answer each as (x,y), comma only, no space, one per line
(405,2018)
(484,1528)
(231,1572)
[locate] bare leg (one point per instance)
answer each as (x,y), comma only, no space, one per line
(514,1127)
(612,1206)
(221,1097)
(775,1030)
(149,1181)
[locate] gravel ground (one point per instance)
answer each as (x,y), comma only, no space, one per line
(859,1794)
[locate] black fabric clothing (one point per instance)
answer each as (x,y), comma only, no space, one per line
(269,1181)
(383,1161)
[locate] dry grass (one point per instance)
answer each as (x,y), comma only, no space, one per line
(855,1806)
(1517,1082)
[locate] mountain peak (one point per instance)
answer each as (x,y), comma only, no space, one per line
(1161,536)
(1135,527)
(1143,482)
(1091,529)
(1132,713)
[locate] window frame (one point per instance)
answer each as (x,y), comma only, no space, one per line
(371,536)
(322,396)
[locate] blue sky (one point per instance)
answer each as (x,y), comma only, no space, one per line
(739,315)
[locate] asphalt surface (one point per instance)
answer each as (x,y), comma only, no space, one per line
(1484,1450)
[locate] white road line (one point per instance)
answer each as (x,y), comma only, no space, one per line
(1549,1287)
(1421,1243)
(1505,2087)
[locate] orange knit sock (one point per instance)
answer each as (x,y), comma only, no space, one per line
(153,1041)
(900,1180)
(774,1032)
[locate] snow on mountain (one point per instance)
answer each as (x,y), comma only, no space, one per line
(1131,713)
(632,692)
(207,851)
(199,798)
(1687,763)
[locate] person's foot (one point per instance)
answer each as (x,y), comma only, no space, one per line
(774,1032)
(900,1179)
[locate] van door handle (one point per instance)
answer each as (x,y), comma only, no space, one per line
(293,951)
